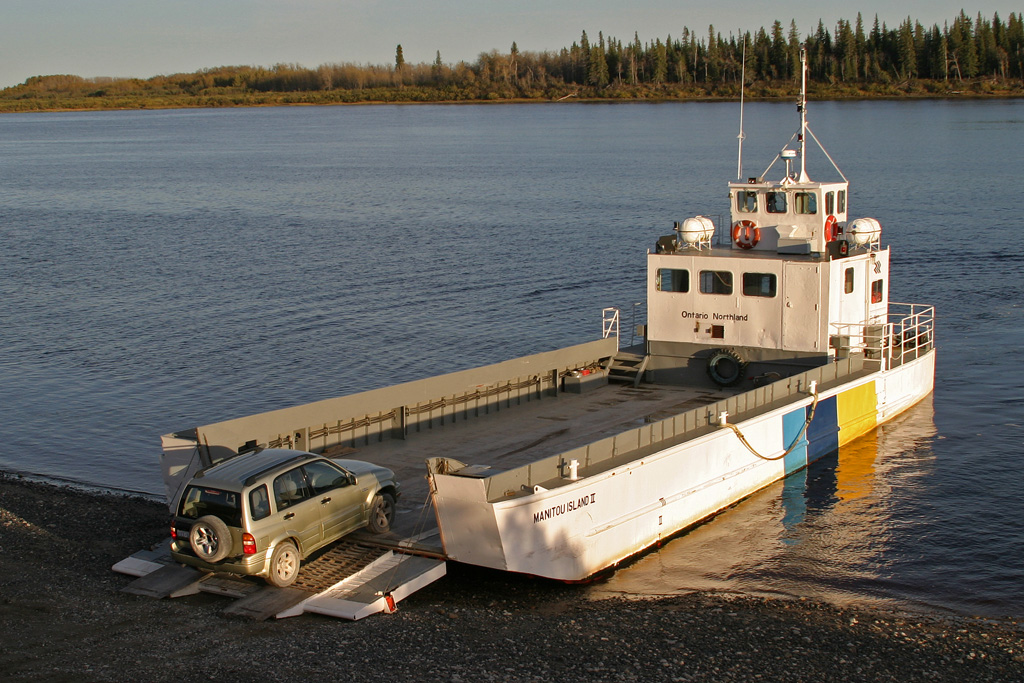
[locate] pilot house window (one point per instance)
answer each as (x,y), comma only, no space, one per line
(672,280)
(805,202)
(775,202)
(715,282)
(759,284)
(746,201)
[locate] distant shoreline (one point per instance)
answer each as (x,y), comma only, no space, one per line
(26,106)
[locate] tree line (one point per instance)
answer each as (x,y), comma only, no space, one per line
(979,55)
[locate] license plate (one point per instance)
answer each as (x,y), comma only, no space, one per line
(182,533)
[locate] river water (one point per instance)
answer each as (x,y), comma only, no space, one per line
(163,269)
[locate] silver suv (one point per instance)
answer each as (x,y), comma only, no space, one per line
(262,513)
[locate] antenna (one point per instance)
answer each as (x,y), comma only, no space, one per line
(743,85)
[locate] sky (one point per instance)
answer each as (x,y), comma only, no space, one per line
(144,38)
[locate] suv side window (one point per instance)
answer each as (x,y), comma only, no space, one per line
(290,488)
(324,476)
(259,503)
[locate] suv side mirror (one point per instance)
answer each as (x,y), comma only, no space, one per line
(351,478)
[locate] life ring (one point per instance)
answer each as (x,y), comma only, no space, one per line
(831,229)
(746,234)
(725,367)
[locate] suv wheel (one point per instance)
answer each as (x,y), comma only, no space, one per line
(382,513)
(210,538)
(284,565)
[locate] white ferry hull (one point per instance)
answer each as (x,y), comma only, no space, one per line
(582,527)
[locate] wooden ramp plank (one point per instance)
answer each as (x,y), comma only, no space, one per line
(265,603)
(166,581)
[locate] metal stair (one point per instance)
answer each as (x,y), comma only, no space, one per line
(627,368)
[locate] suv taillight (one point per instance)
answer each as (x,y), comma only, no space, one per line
(248,544)
(174,532)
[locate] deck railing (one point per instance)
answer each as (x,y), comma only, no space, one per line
(908,332)
(658,435)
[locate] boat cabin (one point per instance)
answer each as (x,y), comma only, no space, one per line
(788,284)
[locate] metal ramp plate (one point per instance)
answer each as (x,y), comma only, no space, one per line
(231,585)
(376,588)
(351,580)
(145,561)
(167,581)
(266,602)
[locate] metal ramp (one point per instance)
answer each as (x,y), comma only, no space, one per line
(350,581)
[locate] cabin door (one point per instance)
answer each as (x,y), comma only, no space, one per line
(801,315)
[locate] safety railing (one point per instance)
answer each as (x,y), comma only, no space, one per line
(610,323)
(907,333)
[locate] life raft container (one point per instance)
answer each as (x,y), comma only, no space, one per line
(725,367)
(746,234)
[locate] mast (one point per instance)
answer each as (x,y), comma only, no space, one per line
(743,84)
(802,108)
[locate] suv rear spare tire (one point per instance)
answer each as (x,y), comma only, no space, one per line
(210,538)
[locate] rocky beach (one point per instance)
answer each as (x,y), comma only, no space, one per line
(65,617)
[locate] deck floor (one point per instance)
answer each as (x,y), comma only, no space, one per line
(513,436)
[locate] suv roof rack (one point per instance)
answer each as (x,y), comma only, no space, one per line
(251,479)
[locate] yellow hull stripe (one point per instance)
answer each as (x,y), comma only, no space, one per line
(857,412)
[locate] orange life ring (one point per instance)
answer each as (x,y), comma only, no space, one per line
(746,234)
(831,229)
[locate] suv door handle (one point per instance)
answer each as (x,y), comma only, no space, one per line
(326,500)
(289,515)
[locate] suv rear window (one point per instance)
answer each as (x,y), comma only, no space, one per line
(199,501)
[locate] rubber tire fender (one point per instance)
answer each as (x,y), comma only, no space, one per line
(284,565)
(210,538)
(382,513)
(721,362)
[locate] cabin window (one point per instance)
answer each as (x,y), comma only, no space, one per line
(775,202)
(672,280)
(876,291)
(759,284)
(715,282)
(841,206)
(848,285)
(805,202)
(259,503)
(746,201)
(830,203)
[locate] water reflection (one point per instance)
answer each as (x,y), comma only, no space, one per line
(824,533)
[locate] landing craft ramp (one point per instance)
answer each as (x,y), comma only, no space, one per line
(350,580)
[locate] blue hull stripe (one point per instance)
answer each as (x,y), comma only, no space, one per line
(823,432)
(792,425)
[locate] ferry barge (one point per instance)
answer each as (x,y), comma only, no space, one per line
(769,342)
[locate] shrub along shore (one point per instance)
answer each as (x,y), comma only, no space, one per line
(108,99)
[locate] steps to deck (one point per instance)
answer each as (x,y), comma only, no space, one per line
(627,367)
(351,580)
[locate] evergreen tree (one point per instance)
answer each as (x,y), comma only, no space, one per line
(907,55)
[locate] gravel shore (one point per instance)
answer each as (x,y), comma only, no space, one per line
(65,618)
